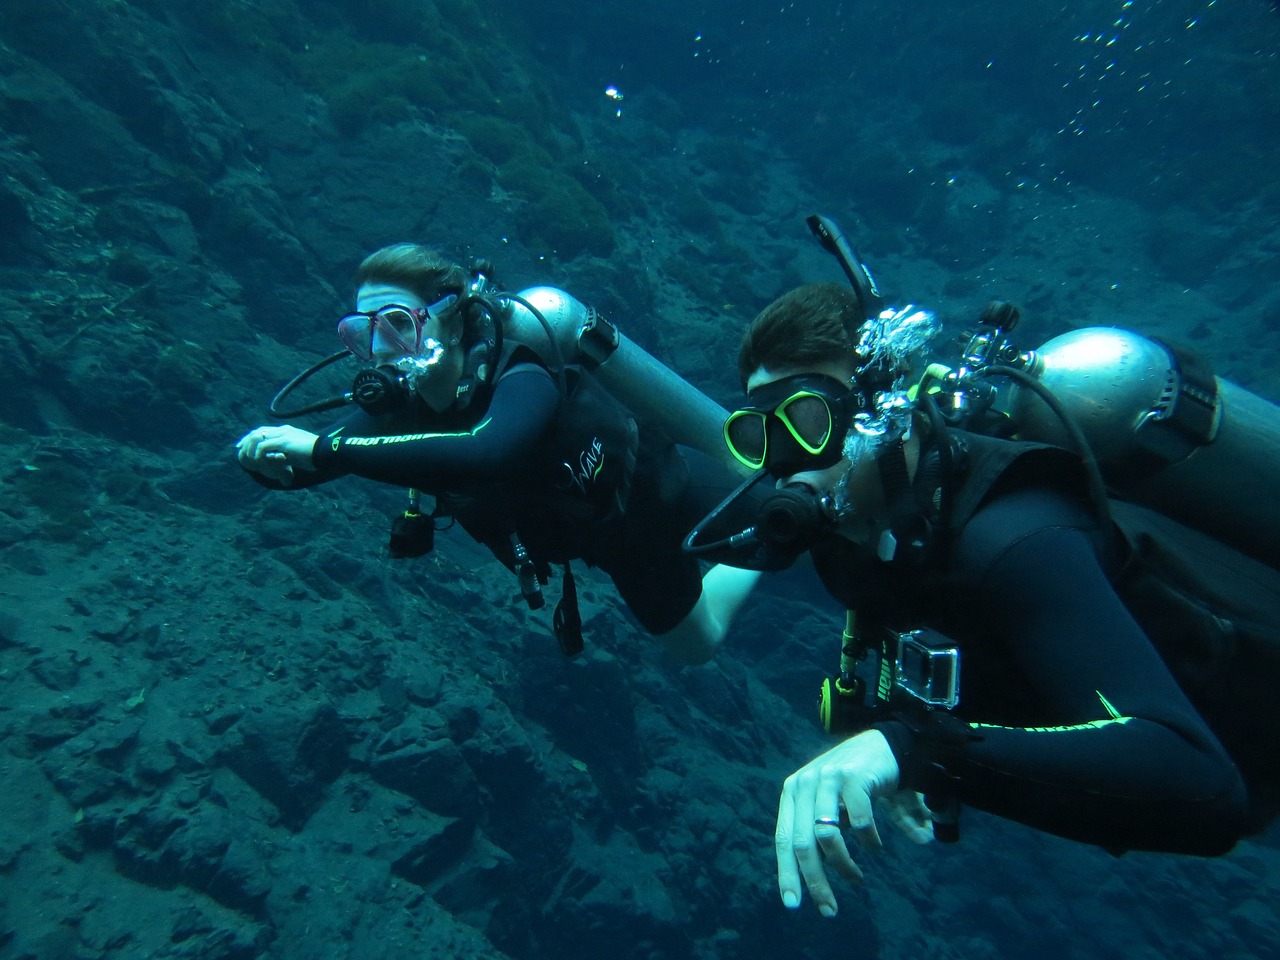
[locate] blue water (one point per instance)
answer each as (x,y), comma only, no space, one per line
(232,727)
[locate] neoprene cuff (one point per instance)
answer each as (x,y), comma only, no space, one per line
(930,751)
(322,453)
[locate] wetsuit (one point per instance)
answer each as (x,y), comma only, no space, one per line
(487,465)
(1069,721)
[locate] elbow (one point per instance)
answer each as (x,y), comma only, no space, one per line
(1233,816)
(1210,826)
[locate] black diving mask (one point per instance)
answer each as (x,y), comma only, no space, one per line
(792,425)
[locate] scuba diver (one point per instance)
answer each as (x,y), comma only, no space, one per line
(1103,697)
(531,456)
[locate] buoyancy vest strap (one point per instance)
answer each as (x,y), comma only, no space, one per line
(909,529)
(567,621)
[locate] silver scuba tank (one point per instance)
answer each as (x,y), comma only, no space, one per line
(1167,433)
(656,395)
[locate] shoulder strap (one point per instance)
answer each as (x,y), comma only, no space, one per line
(567,621)
(919,507)
(992,462)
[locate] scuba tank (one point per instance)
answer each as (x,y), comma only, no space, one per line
(1167,433)
(659,397)
(1162,429)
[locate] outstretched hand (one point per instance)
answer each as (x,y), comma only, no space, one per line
(276,452)
(847,778)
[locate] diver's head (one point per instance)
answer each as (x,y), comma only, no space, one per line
(798,363)
(408,308)
(413,267)
(794,422)
(824,393)
(805,328)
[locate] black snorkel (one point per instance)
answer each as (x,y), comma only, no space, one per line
(829,234)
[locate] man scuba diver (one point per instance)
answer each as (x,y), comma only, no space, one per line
(954,547)
(529,456)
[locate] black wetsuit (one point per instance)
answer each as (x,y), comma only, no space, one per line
(486,465)
(1069,719)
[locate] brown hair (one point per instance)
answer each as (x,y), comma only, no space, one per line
(815,323)
(414,267)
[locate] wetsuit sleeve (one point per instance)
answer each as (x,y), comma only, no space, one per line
(523,406)
(1123,760)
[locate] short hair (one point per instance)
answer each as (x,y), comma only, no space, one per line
(814,323)
(415,268)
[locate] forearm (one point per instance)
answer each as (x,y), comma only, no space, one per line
(415,459)
(1121,783)
(502,442)
(1105,747)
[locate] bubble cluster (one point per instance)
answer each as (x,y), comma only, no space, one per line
(1134,67)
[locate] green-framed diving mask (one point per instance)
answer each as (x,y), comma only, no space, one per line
(793,425)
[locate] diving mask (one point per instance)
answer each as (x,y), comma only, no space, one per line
(792,425)
(390,330)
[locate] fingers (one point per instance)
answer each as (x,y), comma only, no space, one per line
(246,454)
(862,821)
(265,451)
(277,470)
(807,854)
(826,830)
(263,443)
(248,446)
(808,839)
(784,849)
(909,814)
(836,855)
(797,848)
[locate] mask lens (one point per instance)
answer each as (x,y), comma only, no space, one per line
(744,432)
(808,418)
(399,321)
(785,454)
(791,425)
(355,330)
(395,330)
